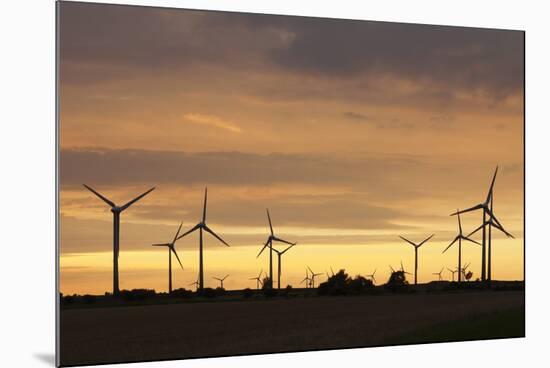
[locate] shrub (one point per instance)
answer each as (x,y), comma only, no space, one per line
(181,293)
(397,282)
(137,294)
(88,299)
(248,293)
(337,284)
(208,293)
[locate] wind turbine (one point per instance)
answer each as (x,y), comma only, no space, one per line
(258,279)
(403,270)
(313,275)
(306,279)
(460,237)
(221,280)
(116,210)
(439,273)
(486,206)
(463,269)
(279,254)
(171,249)
(416,246)
(372,276)
(452,273)
(196,283)
(269,242)
(201,226)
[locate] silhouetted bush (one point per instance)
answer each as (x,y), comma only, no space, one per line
(181,293)
(337,284)
(136,294)
(220,291)
(341,284)
(248,293)
(88,299)
(68,299)
(208,293)
(360,285)
(397,282)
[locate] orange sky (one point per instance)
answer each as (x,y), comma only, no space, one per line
(352,133)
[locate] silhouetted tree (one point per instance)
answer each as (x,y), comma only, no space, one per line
(397,281)
(182,293)
(337,284)
(360,285)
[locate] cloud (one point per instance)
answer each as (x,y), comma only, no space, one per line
(355,116)
(95,38)
(213,121)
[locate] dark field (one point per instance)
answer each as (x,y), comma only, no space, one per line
(188,330)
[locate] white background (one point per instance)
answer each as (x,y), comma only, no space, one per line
(27,182)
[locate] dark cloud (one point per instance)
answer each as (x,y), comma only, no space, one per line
(97,36)
(106,167)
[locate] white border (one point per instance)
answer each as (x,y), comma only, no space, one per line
(28,187)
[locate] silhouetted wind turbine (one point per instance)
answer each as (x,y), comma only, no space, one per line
(463,269)
(487,213)
(416,246)
(279,254)
(116,210)
(171,249)
(490,224)
(452,273)
(221,280)
(372,276)
(269,242)
(258,279)
(459,237)
(201,226)
(196,283)
(403,270)
(439,273)
(313,275)
(306,279)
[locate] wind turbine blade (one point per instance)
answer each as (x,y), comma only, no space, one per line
(454,241)
(408,241)
(475,231)
(283,241)
(204,208)
(310,270)
(176,254)
(136,199)
(459,222)
(283,252)
(265,245)
(425,240)
(471,240)
(225,277)
(392,270)
(497,224)
(260,274)
(477,207)
(269,219)
(100,196)
(214,234)
(331,270)
(179,229)
(161,245)
(402,269)
(188,232)
(490,193)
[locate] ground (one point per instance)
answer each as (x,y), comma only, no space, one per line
(188,330)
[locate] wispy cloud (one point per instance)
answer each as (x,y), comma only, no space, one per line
(212,121)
